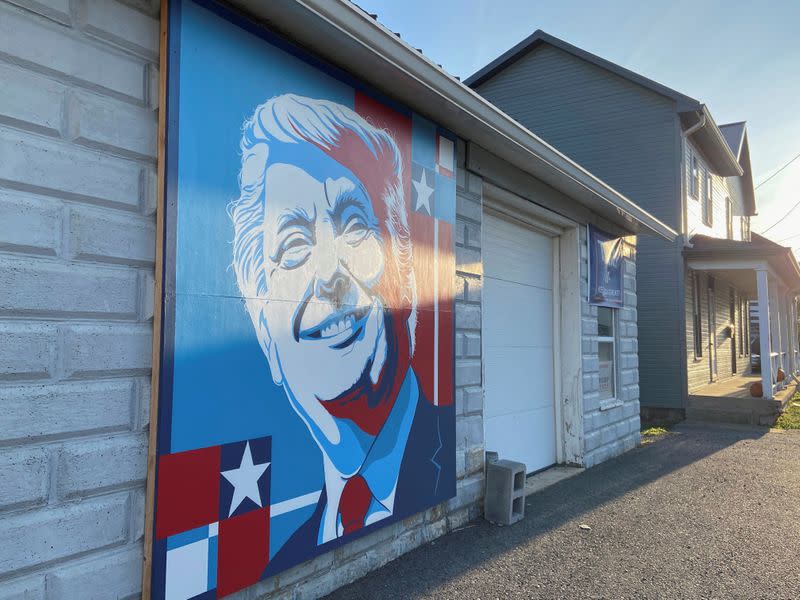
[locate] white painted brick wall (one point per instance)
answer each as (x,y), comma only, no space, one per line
(77,240)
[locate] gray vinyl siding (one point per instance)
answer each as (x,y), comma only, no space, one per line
(629,137)
(699,368)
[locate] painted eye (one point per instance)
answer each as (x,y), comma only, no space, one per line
(294,251)
(355,231)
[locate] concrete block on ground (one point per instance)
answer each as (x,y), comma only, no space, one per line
(505,492)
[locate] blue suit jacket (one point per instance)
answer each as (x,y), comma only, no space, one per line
(426,478)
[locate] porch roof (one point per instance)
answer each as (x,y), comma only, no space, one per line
(780,258)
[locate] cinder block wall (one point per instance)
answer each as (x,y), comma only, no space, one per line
(610,427)
(77,200)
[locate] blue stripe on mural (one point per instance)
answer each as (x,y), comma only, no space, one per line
(187,537)
(212,562)
(445,206)
(423,142)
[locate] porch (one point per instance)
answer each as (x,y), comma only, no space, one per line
(759,270)
(730,401)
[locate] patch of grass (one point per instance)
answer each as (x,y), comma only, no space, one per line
(790,419)
(651,434)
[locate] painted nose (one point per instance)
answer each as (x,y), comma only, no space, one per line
(334,290)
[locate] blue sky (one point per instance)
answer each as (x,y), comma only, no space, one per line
(742,59)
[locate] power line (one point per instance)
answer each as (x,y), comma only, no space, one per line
(782,218)
(765,181)
(776,172)
(791,237)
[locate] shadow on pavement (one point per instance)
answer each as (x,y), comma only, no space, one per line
(448,557)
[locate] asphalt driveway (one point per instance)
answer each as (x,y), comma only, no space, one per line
(706,512)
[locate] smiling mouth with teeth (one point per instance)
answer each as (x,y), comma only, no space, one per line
(340,329)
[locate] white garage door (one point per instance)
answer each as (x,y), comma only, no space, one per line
(519,413)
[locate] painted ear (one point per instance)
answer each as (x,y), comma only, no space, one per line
(268,346)
(274,365)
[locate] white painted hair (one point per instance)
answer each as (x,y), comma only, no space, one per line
(292,119)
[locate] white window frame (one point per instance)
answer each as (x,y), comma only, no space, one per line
(729,217)
(613,400)
(694,180)
(707,206)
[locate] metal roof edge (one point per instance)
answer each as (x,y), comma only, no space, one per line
(539,36)
(343,33)
(716,133)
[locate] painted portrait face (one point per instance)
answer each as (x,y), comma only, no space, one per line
(324,256)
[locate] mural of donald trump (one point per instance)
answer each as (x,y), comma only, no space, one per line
(322,255)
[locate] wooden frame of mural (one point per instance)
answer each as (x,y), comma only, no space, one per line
(303,363)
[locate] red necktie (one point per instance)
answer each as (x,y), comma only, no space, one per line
(354,503)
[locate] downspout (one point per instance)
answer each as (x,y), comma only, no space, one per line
(699,125)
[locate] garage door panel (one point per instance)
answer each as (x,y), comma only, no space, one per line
(527,318)
(516,253)
(524,435)
(511,386)
(519,411)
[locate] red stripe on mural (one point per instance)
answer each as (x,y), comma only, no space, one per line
(188,490)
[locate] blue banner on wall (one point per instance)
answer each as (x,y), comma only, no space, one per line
(605,268)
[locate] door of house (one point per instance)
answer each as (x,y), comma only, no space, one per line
(732,323)
(518,348)
(712,329)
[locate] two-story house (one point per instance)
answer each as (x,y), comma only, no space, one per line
(664,150)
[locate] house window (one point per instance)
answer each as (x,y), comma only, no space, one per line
(697,326)
(694,180)
(729,217)
(708,199)
(607,352)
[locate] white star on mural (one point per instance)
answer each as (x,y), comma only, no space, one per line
(245,480)
(424,192)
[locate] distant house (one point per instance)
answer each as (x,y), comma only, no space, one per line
(664,150)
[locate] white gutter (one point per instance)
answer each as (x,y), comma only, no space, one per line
(343,34)
(699,125)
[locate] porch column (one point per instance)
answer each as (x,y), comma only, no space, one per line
(786,334)
(791,304)
(762,282)
(775,328)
